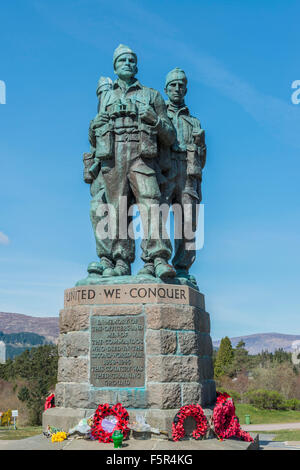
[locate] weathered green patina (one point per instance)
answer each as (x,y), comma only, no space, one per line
(188,157)
(147,153)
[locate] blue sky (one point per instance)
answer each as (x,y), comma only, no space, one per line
(241,58)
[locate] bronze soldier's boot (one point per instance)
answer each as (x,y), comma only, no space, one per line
(184,274)
(180,272)
(163,269)
(99,267)
(122,268)
(148,269)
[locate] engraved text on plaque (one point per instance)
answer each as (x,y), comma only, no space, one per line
(117,351)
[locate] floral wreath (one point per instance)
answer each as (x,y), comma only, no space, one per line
(102,435)
(50,402)
(195,411)
(225,423)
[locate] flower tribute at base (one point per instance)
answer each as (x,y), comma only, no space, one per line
(194,411)
(102,428)
(225,423)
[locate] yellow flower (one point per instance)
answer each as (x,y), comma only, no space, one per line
(59,436)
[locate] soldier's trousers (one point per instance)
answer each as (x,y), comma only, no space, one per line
(184,192)
(129,180)
(97,216)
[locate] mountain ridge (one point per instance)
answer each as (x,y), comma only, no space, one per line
(257,342)
(49,328)
(19,323)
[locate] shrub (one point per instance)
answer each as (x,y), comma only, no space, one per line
(276,377)
(6,418)
(293,404)
(266,399)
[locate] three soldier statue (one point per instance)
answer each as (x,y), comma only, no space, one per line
(149,153)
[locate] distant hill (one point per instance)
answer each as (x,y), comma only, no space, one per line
(264,341)
(48,327)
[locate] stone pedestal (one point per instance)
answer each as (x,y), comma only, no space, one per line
(146,346)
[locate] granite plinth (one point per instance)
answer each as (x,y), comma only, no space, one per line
(146,346)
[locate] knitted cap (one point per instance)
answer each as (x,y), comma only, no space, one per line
(122,49)
(176,74)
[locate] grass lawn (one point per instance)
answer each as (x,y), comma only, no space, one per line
(266,416)
(19,433)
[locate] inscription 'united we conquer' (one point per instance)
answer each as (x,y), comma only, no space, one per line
(126,294)
(117,355)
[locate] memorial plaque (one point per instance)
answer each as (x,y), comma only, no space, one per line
(117,351)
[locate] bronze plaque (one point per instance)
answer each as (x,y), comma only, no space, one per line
(117,351)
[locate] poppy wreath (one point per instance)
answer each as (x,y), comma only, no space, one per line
(102,412)
(50,402)
(196,412)
(225,423)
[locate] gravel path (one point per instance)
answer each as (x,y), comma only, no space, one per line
(270,427)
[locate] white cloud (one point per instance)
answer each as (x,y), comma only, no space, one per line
(4,240)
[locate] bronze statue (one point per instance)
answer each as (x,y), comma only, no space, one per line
(149,153)
(188,156)
(126,136)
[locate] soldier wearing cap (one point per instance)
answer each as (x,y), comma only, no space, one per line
(126,137)
(188,155)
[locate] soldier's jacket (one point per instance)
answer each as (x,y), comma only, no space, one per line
(190,140)
(125,124)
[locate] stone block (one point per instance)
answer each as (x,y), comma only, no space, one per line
(197,393)
(132,398)
(73,344)
(157,418)
(172,369)
(100,396)
(161,342)
(164,395)
(72,369)
(205,345)
(60,394)
(74,319)
(135,293)
(62,418)
(206,369)
(188,343)
(177,317)
(195,343)
(111,310)
(211,392)
(77,395)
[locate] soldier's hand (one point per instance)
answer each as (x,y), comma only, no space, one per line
(100,119)
(148,115)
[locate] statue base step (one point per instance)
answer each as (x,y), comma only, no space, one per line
(68,418)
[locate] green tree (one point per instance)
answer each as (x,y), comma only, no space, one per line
(39,369)
(241,360)
(224,357)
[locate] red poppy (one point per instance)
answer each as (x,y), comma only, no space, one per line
(195,411)
(122,416)
(225,423)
